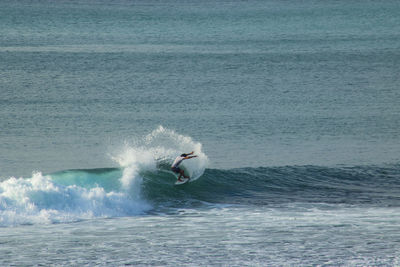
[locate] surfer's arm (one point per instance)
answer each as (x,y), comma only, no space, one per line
(190,157)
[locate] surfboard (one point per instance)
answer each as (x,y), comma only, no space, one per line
(184,181)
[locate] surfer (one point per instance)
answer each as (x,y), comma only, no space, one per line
(175,166)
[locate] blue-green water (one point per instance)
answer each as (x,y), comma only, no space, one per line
(292,107)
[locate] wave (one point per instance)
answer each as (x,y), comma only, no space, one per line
(143,184)
(81,194)
(364,185)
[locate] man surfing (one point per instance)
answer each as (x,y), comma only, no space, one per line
(175,166)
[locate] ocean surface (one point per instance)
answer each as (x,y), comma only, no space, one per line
(293,108)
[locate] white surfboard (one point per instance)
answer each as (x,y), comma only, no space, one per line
(183,181)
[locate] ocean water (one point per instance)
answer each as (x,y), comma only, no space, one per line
(291,106)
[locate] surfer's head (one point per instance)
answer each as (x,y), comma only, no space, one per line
(184,155)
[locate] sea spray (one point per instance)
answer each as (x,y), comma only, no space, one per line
(166,144)
(134,160)
(156,151)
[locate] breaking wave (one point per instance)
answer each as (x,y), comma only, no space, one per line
(143,183)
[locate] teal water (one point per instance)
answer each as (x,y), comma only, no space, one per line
(291,105)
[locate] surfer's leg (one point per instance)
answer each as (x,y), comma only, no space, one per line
(182,172)
(180,175)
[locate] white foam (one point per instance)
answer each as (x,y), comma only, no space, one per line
(134,160)
(39,200)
